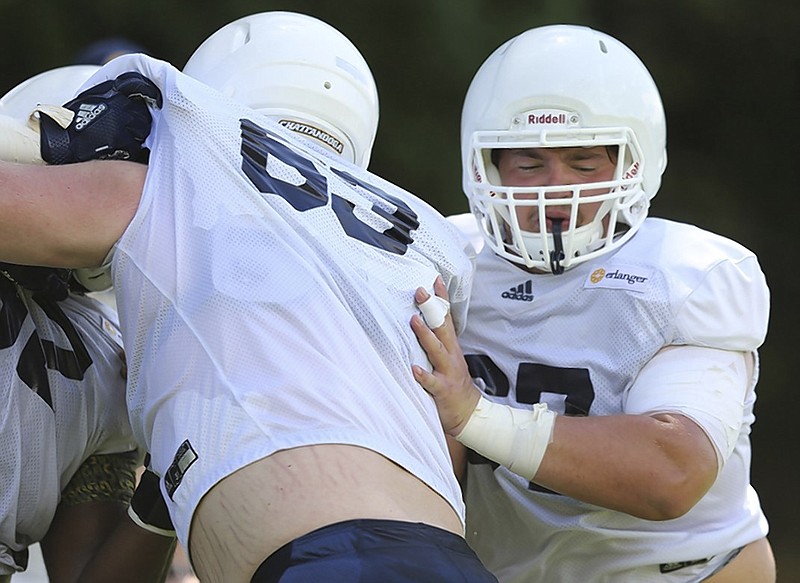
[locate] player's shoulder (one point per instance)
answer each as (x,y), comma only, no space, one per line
(467,226)
(717,286)
(681,245)
(688,255)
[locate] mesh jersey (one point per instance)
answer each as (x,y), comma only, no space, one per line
(265,294)
(63,400)
(577,341)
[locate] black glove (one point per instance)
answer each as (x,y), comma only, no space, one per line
(50,282)
(148,508)
(112,121)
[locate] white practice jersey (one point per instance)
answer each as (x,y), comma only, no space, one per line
(577,342)
(63,398)
(265,294)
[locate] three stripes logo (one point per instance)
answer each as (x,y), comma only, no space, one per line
(522,292)
(87,113)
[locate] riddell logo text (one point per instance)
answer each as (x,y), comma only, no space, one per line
(632,171)
(476,174)
(547,119)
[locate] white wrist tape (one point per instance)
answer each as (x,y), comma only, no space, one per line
(18,142)
(434,310)
(61,115)
(514,438)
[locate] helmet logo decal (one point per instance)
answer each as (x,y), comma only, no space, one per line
(476,173)
(314,132)
(547,119)
(550,117)
(632,171)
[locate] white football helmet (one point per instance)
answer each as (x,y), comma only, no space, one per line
(562,86)
(298,70)
(56,87)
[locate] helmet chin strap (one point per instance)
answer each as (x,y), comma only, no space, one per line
(557,254)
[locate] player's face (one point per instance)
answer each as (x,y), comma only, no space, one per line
(552,167)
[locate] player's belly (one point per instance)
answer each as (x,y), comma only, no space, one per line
(261,507)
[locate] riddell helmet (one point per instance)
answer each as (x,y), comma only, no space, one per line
(56,87)
(298,70)
(53,87)
(562,86)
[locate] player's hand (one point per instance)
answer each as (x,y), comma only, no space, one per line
(111,121)
(449,383)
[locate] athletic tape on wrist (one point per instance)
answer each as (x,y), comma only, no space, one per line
(514,438)
(434,310)
(19,143)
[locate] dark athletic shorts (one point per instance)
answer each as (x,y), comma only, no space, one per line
(374,551)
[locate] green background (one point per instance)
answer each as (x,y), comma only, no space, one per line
(729,74)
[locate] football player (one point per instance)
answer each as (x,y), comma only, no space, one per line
(264,287)
(605,381)
(298,70)
(70,455)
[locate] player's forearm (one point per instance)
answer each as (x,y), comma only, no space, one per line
(655,468)
(75,213)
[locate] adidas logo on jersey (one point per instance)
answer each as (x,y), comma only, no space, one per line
(522,292)
(87,113)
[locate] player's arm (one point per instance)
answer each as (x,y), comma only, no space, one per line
(651,466)
(73,213)
(92,538)
(654,467)
(76,209)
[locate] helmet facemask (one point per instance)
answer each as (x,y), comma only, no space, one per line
(561,244)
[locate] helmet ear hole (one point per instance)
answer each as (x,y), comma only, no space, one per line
(294,67)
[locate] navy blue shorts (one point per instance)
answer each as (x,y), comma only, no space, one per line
(374,551)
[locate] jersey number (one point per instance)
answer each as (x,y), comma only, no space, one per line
(38,355)
(574,384)
(258,145)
